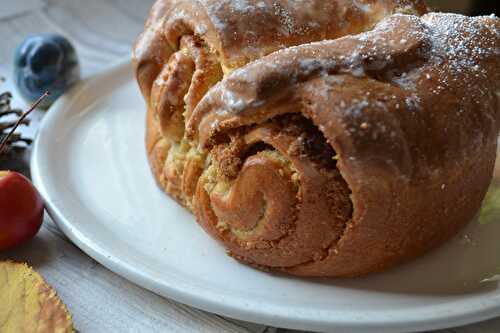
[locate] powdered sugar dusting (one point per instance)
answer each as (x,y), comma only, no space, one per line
(408,80)
(286,20)
(143,44)
(365,7)
(257,27)
(451,44)
(412,61)
(243,16)
(463,42)
(309,66)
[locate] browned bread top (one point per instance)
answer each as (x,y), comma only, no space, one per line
(239,31)
(432,80)
(335,158)
(411,110)
(190,45)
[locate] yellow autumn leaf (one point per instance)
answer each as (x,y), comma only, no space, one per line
(28,304)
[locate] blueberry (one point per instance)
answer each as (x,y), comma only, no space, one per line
(45,62)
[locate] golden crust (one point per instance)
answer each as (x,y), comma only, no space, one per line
(336,158)
(242,31)
(411,109)
(187,46)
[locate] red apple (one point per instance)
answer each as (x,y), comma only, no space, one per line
(21,209)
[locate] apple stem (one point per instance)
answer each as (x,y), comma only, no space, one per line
(33,106)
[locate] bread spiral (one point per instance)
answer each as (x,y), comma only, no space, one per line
(340,157)
(190,45)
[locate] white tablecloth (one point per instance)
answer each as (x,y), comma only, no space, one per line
(100,301)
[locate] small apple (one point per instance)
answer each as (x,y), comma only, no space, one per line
(21,209)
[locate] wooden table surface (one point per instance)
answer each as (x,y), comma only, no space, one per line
(99,300)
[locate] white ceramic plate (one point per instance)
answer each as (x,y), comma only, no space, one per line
(89,163)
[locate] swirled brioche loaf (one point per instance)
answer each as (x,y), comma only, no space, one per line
(335,158)
(189,45)
(344,157)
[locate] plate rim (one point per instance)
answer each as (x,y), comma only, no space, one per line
(461,313)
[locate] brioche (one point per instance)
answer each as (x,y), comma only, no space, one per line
(334,158)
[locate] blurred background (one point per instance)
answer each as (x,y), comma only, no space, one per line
(469,7)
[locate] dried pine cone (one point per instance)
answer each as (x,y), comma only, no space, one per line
(16,142)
